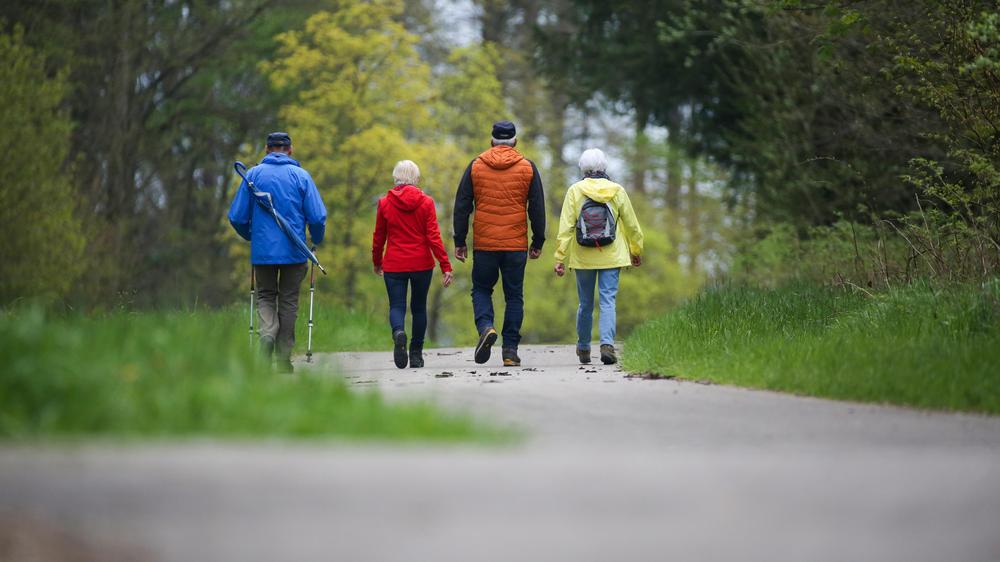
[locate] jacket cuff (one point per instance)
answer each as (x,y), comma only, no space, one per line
(459,242)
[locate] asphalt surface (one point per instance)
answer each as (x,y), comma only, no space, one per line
(611,468)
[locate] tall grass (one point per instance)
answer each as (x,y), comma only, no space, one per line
(916,346)
(181,374)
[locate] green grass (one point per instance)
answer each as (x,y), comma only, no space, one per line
(915,346)
(337,329)
(183,374)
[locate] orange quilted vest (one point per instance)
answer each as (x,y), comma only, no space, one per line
(501,177)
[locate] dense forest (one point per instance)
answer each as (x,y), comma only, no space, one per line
(851,142)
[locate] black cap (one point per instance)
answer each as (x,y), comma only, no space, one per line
(279,139)
(504,130)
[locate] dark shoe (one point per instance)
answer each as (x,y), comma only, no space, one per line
(510,358)
(284,365)
(416,358)
(584,355)
(486,341)
(266,348)
(608,356)
(399,348)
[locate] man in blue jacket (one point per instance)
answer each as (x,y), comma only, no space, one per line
(278,265)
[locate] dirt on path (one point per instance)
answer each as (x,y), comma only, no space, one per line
(611,468)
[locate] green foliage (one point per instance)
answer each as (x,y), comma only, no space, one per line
(162,95)
(341,329)
(181,374)
(42,238)
(875,112)
(914,346)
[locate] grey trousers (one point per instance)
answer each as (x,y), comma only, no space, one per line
(278,303)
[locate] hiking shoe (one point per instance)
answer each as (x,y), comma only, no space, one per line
(284,365)
(416,358)
(486,341)
(399,348)
(608,356)
(584,355)
(510,358)
(266,348)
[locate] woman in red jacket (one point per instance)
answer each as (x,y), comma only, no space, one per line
(406,227)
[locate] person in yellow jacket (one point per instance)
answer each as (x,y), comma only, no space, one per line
(598,235)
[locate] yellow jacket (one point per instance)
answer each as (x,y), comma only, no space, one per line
(627,241)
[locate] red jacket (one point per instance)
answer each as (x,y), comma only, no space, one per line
(407,220)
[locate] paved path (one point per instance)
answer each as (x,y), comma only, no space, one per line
(612,469)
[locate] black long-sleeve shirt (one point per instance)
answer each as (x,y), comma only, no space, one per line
(465,202)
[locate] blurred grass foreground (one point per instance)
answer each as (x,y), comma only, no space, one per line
(182,374)
(936,348)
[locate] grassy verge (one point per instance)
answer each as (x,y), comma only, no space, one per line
(181,374)
(914,346)
(337,329)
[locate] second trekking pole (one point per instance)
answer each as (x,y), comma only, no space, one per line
(312,290)
(252,294)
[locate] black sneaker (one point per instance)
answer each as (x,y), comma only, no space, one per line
(608,356)
(510,358)
(584,355)
(399,348)
(416,358)
(486,341)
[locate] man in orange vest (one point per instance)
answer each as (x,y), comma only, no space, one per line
(505,189)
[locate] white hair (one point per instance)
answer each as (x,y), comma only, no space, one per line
(504,142)
(406,172)
(593,160)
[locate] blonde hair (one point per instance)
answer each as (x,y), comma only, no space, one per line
(406,172)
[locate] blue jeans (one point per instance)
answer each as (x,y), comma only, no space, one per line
(420,284)
(487,268)
(607,289)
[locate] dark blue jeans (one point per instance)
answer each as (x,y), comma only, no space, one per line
(487,268)
(395,286)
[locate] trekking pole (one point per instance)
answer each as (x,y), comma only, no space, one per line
(252,294)
(312,290)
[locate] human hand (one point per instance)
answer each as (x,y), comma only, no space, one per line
(636,261)
(560,269)
(378,271)
(461,253)
(534,253)
(447,278)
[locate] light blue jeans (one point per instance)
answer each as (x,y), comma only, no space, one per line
(607,290)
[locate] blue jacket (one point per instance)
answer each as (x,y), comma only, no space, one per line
(295,198)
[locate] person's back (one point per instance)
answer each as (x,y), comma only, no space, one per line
(405,242)
(290,187)
(501,179)
(579,247)
(278,264)
(505,189)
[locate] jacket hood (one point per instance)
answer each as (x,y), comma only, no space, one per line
(406,197)
(501,157)
(279,159)
(599,189)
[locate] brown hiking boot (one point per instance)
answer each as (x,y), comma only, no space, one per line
(510,358)
(608,356)
(486,341)
(584,355)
